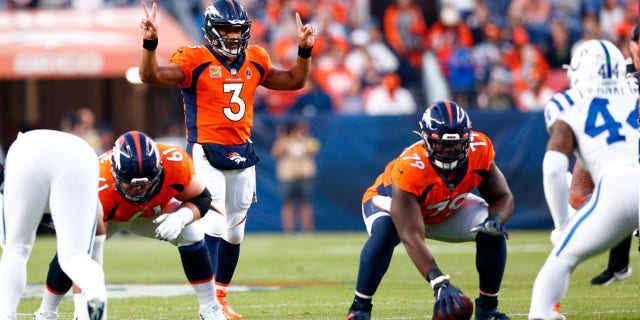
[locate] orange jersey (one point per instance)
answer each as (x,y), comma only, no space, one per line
(177,171)
(412,172)
(218,98)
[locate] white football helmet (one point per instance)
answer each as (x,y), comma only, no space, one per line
(595,63)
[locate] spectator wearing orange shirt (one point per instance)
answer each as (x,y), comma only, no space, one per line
(406,31)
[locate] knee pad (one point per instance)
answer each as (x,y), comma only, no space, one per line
(235,235)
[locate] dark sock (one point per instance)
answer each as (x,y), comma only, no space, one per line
(228,256)
(212,246)
(195,262)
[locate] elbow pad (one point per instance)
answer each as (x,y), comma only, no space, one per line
(202,202)
(556,192)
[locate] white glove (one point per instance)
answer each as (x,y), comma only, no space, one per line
(171,224)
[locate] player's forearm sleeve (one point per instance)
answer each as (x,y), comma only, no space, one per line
(556,191)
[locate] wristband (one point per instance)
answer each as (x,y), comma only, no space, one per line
(150,44)
(433,273)
(439,280)
(304,53)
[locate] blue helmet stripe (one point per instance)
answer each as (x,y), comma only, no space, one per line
(607,58)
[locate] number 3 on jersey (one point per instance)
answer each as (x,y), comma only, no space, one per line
(234,89)
(598,110)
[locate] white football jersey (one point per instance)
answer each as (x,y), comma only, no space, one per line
(563,100)
(604,121)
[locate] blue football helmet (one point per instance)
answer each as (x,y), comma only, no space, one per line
(222,13)
(446,131)
(135,161)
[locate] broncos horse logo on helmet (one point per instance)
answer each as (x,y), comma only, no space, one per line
(227,13)
(446,131)
(136,166)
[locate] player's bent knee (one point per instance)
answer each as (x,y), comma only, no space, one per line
(234,235)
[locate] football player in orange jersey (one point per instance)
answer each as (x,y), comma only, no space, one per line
(149,189)
(426,192)
(218,82)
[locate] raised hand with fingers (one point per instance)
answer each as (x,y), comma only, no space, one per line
(148,22)
(306,33)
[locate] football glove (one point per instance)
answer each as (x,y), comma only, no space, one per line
(447,296)
(171,224)
(492,227)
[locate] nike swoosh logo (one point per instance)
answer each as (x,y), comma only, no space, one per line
(179,51)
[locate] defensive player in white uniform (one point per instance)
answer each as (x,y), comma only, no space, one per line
(598,122)
(54,171)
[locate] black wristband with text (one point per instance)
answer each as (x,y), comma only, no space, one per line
(150,44)
(304,53)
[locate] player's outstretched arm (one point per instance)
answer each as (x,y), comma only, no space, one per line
(296,77)
(150,72)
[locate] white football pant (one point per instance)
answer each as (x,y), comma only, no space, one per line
(55,171)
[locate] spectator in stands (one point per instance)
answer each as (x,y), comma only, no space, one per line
(295,152)
(497,95)
(333,76)
(312,102)
(522,57)
(448,34)
(590,30)
(558,51)
(81,123)
(406,31)
(477,20)
(570,13)
(537,94)
(610,14)
(369,48)
(353,102)
(487,53)
(390,98)
(533,16)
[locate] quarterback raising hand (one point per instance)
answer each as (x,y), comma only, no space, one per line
(218,80)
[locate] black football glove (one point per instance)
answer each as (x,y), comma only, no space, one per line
(491,226)
(447,296)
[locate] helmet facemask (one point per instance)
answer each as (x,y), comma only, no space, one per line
(230,47)
(447,152)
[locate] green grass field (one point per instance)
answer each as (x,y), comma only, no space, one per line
(315,275)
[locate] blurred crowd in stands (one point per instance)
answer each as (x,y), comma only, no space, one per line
(383,57)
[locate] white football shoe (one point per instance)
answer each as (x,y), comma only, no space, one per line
(557,316)
(212,311)
(44,315)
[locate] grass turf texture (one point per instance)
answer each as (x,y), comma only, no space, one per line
(317,273)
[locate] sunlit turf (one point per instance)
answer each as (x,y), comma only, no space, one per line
(316,276)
